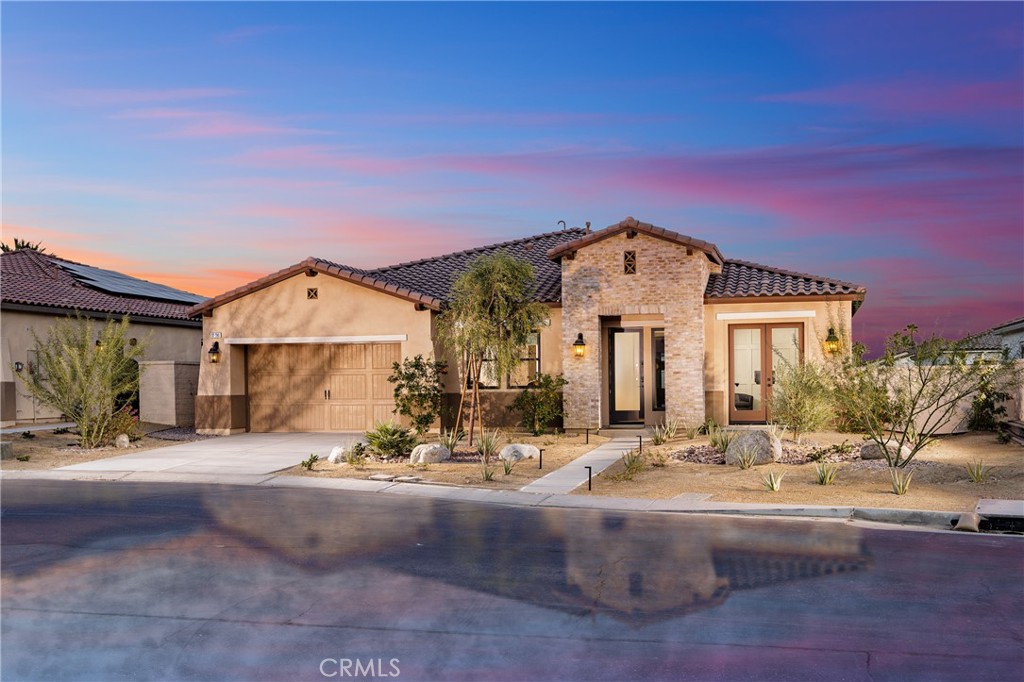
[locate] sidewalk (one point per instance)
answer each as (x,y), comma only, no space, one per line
(574,474)
(36,427)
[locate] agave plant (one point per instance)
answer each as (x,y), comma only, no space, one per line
(773,480)
(450,438)
(825,472)
(746,458)
(488,446)
(900,480)
(977,471)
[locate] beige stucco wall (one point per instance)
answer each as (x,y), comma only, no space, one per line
(167,392)
(669,282)
(823,314)
(283,310)
(163,342)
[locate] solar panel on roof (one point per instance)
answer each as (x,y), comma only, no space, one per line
(122,285)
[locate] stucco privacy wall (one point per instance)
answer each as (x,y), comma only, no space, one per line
(163,342)
(668,281)
(816,316)
(284,310)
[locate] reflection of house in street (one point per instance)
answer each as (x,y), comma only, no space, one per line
(636,567)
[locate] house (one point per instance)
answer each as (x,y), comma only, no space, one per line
(1011,337)
(646,324)
(36,289)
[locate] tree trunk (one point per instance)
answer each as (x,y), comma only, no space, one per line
(472,398)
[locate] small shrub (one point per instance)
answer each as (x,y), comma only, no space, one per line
(61,431)
(978,472)
(419,390)
(818,454)
(801,397)
(720,438)
(488,445)
(773,480)
(825,473)
(1003,437)
(900,480)
(691,430)
(746,458)
(450,438)
(508,465)
(540,403)
(659,435)
(634,462)
(707,427)
(389,439)
(308,463)
(488,473)
(356,455)
(23,458)
(28,435)
(126,421)
(657,458)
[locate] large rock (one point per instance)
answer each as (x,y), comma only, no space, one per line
(766,446)
(337,455)
(871,450)
(122,441)
(429,453)
(514,452)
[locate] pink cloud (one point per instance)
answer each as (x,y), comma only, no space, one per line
(322,157)
(524,119)
(192,123)
(915,96)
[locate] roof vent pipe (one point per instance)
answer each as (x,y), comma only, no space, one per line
(588,228)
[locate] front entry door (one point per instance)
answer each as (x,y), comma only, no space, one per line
(626,376)
(756,353)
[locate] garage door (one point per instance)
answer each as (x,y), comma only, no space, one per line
(314,387)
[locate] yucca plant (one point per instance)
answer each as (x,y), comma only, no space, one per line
(633,461)
(977,471)
(773,480)
(900,480)
(720,438)
(825,472)
(488,473)
(488,446)
(746,458)
(691,430)
(659,434)
(450,438)
(507,465)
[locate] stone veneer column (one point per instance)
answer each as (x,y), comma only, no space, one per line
(667,280)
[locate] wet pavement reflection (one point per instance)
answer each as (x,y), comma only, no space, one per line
(109,581)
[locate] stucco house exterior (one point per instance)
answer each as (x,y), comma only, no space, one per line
(36,289)
(669,327)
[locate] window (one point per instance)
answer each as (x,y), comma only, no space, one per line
(659,368)
(629,262)
(312,294)
(529,365)
(488,376)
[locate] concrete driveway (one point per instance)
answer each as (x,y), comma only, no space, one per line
(246,453)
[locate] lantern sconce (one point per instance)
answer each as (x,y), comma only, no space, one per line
(214,352)
(832,343)
(579,346)
(18,366)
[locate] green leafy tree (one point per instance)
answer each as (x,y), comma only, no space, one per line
(540,403)
(490,317)
(88,380)
(419,390)
(905,397)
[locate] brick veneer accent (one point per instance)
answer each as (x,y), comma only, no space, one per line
(667,281)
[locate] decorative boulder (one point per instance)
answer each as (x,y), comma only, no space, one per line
(871,450)
(766,446)
(514,452)
(429,453)
(122,441)
(337,455)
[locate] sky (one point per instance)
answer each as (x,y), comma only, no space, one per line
(204,145)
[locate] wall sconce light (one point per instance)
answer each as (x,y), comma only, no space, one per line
(214,352)
(18,366)
(579,346)
(832,343)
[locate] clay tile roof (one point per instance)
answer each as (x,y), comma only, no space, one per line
(632,224)
(30,278)
(435,276)
(741,279)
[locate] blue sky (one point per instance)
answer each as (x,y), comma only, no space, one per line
(206,144)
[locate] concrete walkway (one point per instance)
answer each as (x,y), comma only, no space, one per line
(36,427)
(574,474)
(246,454)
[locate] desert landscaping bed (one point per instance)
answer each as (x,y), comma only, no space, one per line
(59,448)
(465,468)
(940,481)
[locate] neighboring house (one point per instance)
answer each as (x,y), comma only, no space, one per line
(670,327)
(36,289)
(1011,337)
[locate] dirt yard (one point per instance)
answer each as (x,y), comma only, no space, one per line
(466,467)
(939,482)
(50,450)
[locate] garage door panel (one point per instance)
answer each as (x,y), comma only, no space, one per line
(288,386)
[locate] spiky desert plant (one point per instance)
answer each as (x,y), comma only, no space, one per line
(720,438)
(977,471)
(488,445)
(746,458)
(450,438)
(773,480)
(825,473)
(900,480)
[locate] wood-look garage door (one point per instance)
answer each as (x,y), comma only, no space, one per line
(315,387)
